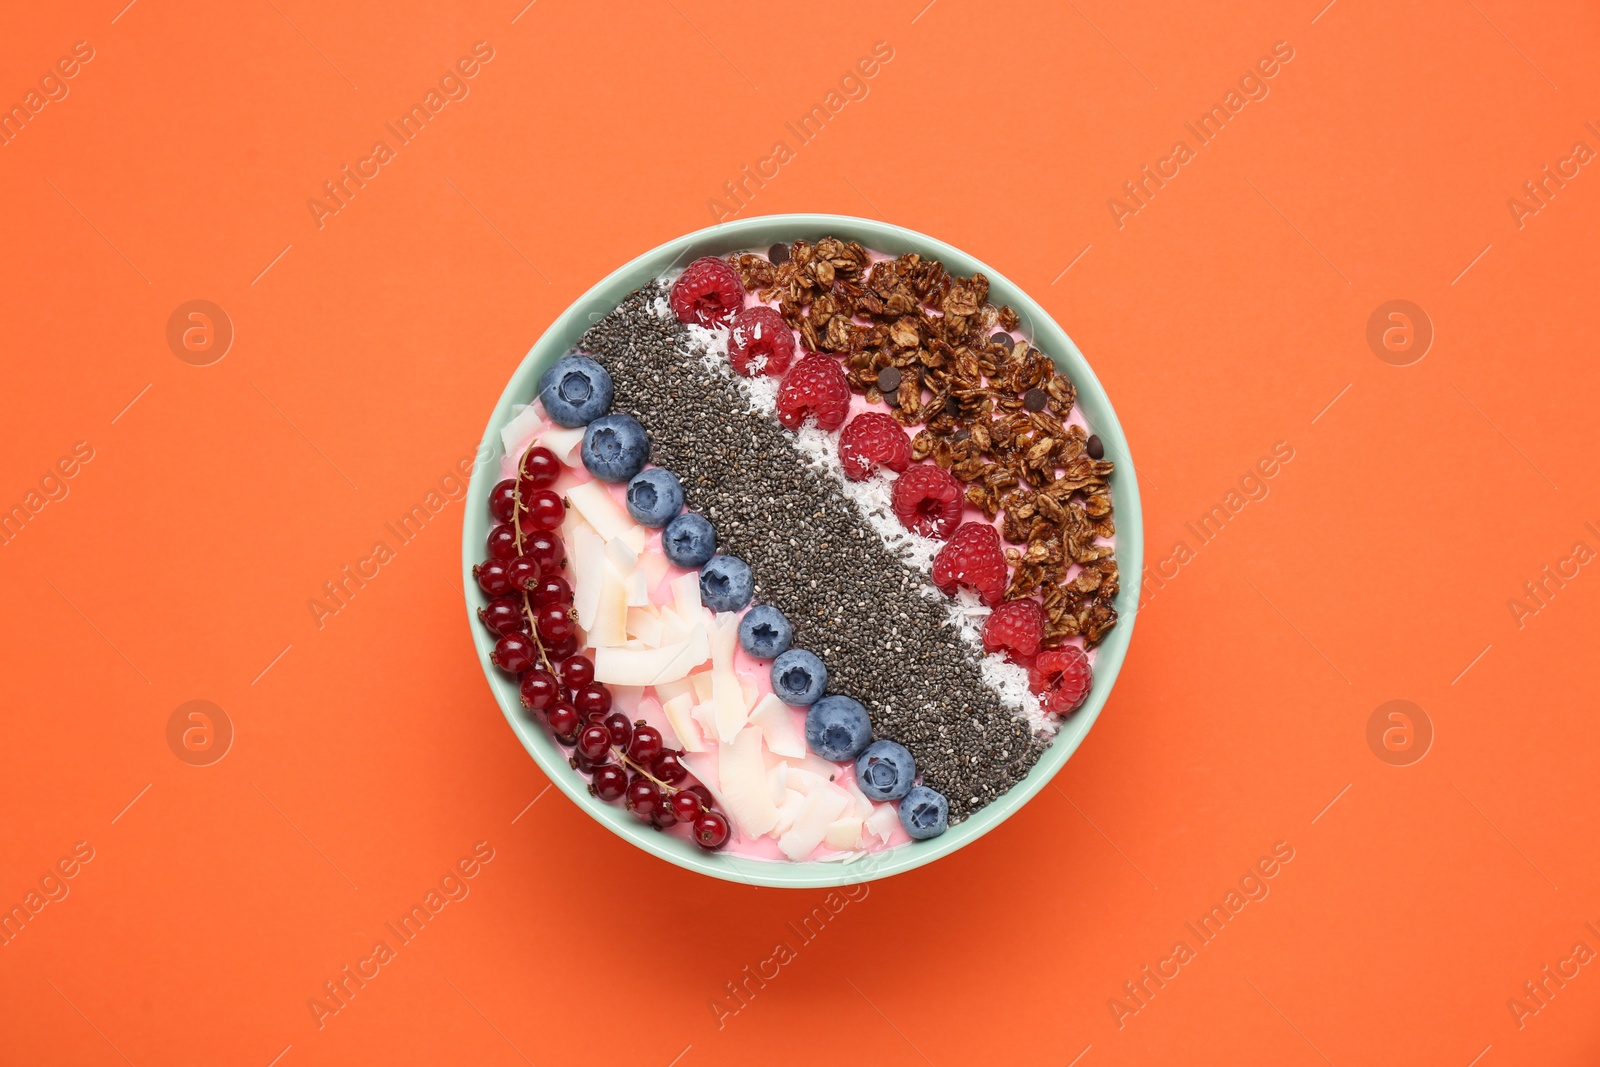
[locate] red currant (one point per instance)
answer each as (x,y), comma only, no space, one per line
(706,800)
(561,709)
(576,671)
(618,726)
(503,615)
(686,807)
(646,744)
(663,817)
(593,699)
(542,510)
(583,763)
(514,653)
(610,782)
(562,649)
(522,572)
(551,589)
(711,830)
(502,542)
(540,690)
(554,622)
(564,722)
(644,798)
(594,741)
(492,577)
(669,768)
(546,550)
(539,468)
(503,500)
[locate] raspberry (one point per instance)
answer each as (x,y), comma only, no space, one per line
(761,342)
(1061,678)
(928,500)
(814,388)
(873,439)
(707,294)
(972,558)
(1017,626)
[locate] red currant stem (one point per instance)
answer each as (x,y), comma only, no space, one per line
(625,758)
(516,528)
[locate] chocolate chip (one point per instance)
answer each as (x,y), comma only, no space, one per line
(1002,339)
(778,254)
(1095,447)
(1035,399)
(952,406)
(891,397)
(889,379)
(960,435)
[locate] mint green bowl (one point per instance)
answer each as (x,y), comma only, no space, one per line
(761,233)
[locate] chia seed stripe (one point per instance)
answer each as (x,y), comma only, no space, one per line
(851,601)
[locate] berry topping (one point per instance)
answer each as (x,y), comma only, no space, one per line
(764,632)
(972,559)
(514,653)
(540,468)
(503,541)
(689,540)
(646,744)
(885,771)
(564,722)
(924,813)
(686,806)
(539,690)
(798,677)
(761,342)
(615,447)
(575,391)
(1061,679)
(522,573)
(503,615)
(814,388)
(492,576)
(547,550)
(503,500)
(711,830)
(542,509)
(871,440)
(669,768)
(1016,628)
(837,728)
(576,671)
(927,500)
(654,497)
(707,294)
(725,583)
(610,782)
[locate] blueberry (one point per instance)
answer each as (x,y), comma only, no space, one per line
(689,541)
(575,391)
(924,813)
(885,771)
(654,497)
(798,677)
(725,583)
(615,447)
(764,632)
(837,728)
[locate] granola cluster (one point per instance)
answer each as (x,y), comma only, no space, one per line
(991,409)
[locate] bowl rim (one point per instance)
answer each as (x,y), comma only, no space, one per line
(758,232)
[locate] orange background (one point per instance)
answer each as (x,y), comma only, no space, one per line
(1227,315)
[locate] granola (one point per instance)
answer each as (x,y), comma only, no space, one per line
(989,408)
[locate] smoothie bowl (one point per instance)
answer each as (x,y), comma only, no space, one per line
(805,551)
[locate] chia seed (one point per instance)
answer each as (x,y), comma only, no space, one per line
(812,556)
